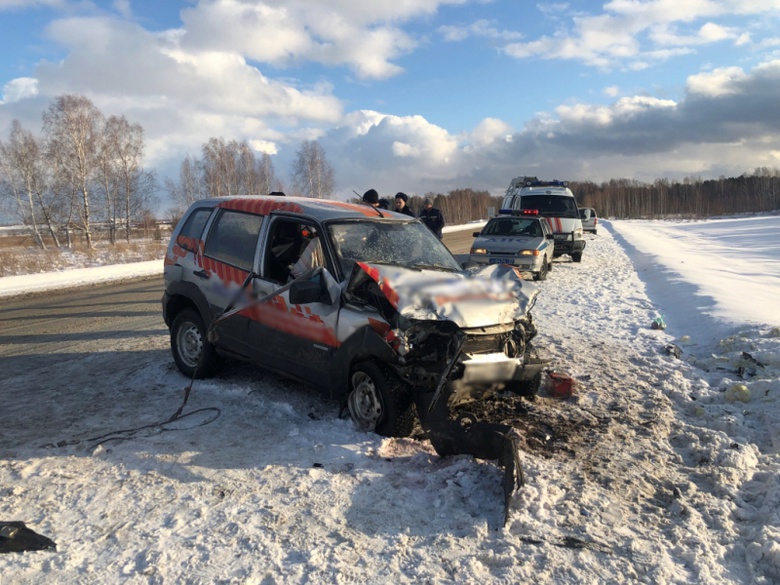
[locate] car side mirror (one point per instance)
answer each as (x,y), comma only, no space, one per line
(303,292)
(550,236)
(476,234)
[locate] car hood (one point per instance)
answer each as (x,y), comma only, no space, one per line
(507,243)
(486,296)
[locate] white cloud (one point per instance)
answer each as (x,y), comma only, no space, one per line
(19,89)
(123,7)
(719,82)
(480,28)
(12,4)
(489,130)
(633,34)
(612,90)
(362,36)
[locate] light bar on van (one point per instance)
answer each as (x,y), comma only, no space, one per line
(547,183)
(525,212)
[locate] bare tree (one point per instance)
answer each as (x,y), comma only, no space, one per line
(135,184)
(221,167)
(267,175)
(74,128)
(107,173)
(190,187)
(22,176)
(312,174)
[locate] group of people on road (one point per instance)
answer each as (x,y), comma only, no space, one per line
(429,215)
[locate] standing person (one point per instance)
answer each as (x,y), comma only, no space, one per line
(400,204)
(371,197)
(432,217)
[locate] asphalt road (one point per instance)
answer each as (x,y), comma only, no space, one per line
(47,329)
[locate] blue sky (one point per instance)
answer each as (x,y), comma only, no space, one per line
(418,95)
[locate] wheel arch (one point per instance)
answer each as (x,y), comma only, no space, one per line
(362,345)
(184,295)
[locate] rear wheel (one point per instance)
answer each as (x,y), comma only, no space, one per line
(194,355)
(379,401)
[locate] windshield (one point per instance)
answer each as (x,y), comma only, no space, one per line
(410,244)
(511,226)
(550,205)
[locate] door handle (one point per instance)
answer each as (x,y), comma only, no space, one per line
(202,273)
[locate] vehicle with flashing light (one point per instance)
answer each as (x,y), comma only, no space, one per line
(363,303)
(522,239)
(555,202)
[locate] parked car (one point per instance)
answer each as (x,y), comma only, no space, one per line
(554,201)
(366,304)
(523,240)
(589,219)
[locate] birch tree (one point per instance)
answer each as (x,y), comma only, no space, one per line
(73,126)
(312,174)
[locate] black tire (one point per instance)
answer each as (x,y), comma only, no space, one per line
(194,355)
(542,274)
(379,401)
(577,257)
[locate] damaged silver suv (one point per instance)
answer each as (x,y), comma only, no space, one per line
(366,304)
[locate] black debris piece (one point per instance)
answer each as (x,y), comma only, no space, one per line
(16,537)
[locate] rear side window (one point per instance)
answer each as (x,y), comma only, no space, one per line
(233,238)
(194,224)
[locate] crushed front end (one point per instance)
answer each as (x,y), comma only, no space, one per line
(458,339)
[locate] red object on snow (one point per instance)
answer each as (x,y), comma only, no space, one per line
(561,385)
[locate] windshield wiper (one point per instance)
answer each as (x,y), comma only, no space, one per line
(434,267)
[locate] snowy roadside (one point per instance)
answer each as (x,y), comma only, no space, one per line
(655,473)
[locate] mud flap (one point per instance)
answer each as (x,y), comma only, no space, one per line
(468,436)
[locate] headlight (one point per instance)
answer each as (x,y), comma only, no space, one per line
(479,251)
(528,252)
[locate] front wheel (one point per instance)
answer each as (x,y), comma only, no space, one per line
(542,273)
(379,401)
(577,257)
(194,355)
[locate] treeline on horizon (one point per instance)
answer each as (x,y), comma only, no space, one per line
(691,198)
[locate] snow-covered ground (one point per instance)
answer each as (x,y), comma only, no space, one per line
(662,469)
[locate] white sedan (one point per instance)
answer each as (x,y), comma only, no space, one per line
(522,239)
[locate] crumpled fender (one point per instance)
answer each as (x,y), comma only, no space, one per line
(362,344)
(487,296)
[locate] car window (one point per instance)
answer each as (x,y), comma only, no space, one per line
(410,244)
(512,227)
(233,238)
(550,205)
(294,247)
(194,224)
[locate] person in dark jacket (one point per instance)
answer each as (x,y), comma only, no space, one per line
(432,217)
(371,197)
(400,204)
